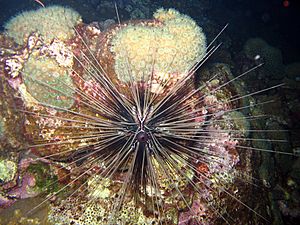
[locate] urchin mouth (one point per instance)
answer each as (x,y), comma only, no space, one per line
(140,129)
(142,136)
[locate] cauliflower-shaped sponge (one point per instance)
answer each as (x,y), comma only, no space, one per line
(50,22)
(171,45)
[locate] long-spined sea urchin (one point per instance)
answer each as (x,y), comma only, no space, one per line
(137,151)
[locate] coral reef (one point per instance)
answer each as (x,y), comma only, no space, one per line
(97,211)
(117,131)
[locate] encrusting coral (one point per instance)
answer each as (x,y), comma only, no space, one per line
(42,75)
(50,22)
(170,46)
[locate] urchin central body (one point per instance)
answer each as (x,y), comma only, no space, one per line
(141,131)
(142,135)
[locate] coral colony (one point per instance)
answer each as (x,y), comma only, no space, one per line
(111,127)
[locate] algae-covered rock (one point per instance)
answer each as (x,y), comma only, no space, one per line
(236,120)
(11,120)
(273,63)
(1,127)
(292,71)
(8,170)
(45,179)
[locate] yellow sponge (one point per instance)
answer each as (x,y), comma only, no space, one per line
(50,22)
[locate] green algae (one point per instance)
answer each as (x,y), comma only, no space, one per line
(8,170)
(45,180)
